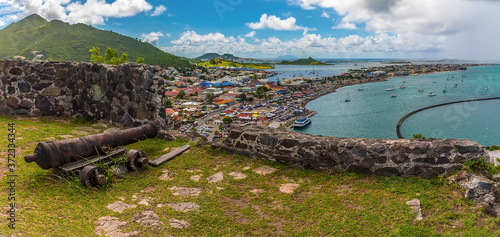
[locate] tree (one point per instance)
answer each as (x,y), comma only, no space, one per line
(227,120)
(210,98)
(212,61)
(168,103)
(181,95)
(95,56)
(243,97)
(110,56)
(139,60)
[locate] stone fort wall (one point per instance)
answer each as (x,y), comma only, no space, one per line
(404,157)
(127,95)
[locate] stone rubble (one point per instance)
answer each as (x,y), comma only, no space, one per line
(184,206)
(148,218)
(216,177)
(288,188)
(109,226)
(264,170)
(238,175)
(179,224)
(119,206)
(415,207)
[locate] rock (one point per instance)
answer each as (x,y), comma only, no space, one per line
(13,102)
(179,224)
(288,188)
(148,218)
(144,202)
(51,91)
(216,177)
(119,170)
(237,175)
(264,170)
(196,178)
(167,176)
(257,191)
(182,191)
(415,207)
(109,226)
(496,177)
(119,206)
(184,206)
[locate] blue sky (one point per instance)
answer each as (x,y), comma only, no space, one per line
(425,29)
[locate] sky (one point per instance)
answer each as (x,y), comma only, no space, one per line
(402,29)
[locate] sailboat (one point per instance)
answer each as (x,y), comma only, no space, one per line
(420,90)
(444,90)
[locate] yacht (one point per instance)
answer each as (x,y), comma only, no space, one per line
(360,89)
(389,89)
(444,91)
(301,122)
(431,94)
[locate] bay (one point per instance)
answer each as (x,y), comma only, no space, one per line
(372,113)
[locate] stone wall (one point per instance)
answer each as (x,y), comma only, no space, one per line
(405,157)
(127,95)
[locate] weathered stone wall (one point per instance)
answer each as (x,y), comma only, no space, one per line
(127,95)
(405,157)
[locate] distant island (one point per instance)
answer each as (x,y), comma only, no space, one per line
(220,62)
(308,61)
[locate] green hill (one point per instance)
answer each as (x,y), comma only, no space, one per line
(227,63)
(60,41)
(308,61)
(209,56)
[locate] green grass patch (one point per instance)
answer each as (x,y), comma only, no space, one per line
(339,204)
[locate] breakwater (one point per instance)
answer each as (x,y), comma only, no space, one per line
(387,157)
(400,122)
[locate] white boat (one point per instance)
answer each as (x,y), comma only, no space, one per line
(389,89)
(360,89)
(431,94)
(301,122)
(486,88)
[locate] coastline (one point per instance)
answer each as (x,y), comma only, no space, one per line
(364,81)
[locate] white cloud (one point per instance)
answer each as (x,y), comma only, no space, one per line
(191,37)
(159,10)
(275,23)
(325,15)
(459,23)
(93,12)
(251,34)
(191,43)
(153,37)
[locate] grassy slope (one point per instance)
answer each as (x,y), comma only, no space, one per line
(337,204)
(64,42)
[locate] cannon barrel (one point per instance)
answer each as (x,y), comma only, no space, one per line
(53,154)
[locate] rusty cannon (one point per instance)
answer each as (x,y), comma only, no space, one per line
(54,154)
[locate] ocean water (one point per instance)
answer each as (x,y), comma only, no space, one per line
(289,71)
(372,113)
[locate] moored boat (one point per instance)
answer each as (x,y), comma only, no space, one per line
(301,122)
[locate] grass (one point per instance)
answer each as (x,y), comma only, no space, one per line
(336,204)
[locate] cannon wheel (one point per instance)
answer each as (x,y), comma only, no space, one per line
(93,176)
(137,160)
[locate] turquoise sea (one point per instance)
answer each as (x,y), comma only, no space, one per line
(372,113)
